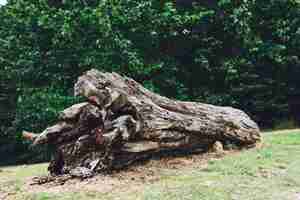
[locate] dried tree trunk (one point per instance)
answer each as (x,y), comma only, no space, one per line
(122,122)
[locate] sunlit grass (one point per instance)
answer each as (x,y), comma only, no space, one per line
(269,173)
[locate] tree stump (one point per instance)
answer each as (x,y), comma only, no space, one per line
(123,122)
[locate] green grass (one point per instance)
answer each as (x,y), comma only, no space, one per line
(269,173)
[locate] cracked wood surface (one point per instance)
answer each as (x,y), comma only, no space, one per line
(122,122)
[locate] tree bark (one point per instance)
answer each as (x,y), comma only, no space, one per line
(122,122)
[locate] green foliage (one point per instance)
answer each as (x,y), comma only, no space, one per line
(40,105)
(36,109)
(237,53)
(272,66)
(285,124)
(55,42)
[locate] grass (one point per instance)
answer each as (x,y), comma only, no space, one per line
(269,173)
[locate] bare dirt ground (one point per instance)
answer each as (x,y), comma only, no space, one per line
(134,176)
(268,173)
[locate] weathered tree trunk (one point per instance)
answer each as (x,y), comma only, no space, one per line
(122,122)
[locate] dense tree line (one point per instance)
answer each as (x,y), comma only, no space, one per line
(242,53)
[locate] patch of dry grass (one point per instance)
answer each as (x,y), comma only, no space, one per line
(269,173)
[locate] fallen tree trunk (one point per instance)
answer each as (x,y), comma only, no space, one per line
(122,122)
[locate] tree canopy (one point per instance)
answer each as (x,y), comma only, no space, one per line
(237,53)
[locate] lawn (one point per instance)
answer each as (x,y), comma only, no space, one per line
(271,172)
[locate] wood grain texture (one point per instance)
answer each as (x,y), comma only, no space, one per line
(122,122)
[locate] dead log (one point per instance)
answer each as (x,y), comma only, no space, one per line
(122,122)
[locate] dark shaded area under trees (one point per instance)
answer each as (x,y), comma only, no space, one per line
(243,54)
